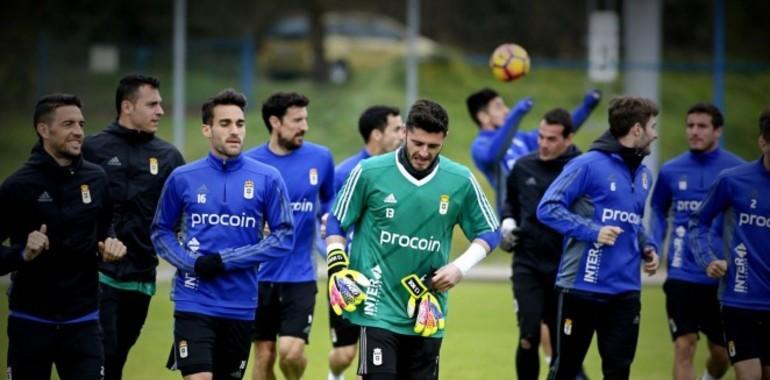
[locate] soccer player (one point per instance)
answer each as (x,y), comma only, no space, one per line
(137,164)
(597,203)
(691,296)
(500,143)
(381,128)
(287,286)
(740,194)
(404,206)
(222,203)
(537,247)
(57,216)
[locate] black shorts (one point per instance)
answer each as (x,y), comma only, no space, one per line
(342,332)
(210,344)
(285,309)
(535,297)
(747,333)
(408,357)
(692,308)
(75,348)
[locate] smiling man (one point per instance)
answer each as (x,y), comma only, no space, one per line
(404,206)
(287,286)
(137,164)
(61,216)
(222,202)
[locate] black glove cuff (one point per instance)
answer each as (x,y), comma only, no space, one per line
(209,266)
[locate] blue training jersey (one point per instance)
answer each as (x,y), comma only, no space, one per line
(682,183)
(221,207)
(495,152)
(594,190)
(740,194)
(309,175)
(342,170)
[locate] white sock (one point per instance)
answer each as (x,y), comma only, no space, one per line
(707,376)
(547,359)
(335,377)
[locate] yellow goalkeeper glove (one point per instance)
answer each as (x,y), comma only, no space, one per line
(423,306)
(345,291)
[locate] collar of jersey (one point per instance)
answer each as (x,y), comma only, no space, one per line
(225,165)
(706,156)
(415,181)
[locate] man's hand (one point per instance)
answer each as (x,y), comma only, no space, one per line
(524,104)
(37,242)
(429,318)
(717,268)
(209,266)
(651,261)
(593,97)
(608,235)
(112,249)
(446,277)
(509,232)
(345,284)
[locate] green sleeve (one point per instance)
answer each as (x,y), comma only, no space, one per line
(477,216)
(351,199)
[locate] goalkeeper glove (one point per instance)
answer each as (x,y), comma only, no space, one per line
(345,291)
(209,266)
(429,318)
(510,234)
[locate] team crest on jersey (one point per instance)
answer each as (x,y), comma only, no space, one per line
(85,194)
(248,189)
(683,183)
(443,205)
(377,356)
(567,326)
(731,348)
(153,166)
(313,176)
(645,181)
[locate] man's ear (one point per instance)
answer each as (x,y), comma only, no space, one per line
(275,122)
(206,130)
(42,129)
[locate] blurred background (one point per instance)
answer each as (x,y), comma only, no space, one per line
(346,56)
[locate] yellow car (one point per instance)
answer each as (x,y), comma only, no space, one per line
(353,40)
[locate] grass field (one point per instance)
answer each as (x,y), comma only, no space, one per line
(480,343)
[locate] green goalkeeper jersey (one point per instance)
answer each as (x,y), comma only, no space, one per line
(404,226)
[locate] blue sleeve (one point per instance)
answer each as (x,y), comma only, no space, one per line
(279,242)
(660,204)
(583,111)
(554,208)
(486,155)
(334,227)
(328,190)
(164,225)
(492,238)
(699,228)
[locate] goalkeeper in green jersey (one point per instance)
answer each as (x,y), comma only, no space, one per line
(404,206)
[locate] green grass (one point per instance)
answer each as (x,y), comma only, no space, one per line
(480,343)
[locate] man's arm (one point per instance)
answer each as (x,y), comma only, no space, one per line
(163,230)
(281,238)
(491,153)
(583,111)
(11,257)
(660,205)
(554,211)
(700,226)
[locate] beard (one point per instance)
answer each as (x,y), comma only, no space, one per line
(288,144)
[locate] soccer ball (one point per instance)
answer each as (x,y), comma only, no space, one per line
(509,62)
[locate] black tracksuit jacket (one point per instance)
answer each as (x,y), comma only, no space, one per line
(539,245)
(61,283)
(137,165)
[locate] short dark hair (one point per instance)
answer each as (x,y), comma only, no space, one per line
(428,116)
(277,104)
(375,117)
(717,120)
(477,101)
(46,106)
(225,97)
(129,86)
(764,124)
(561,117)
(625,111)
